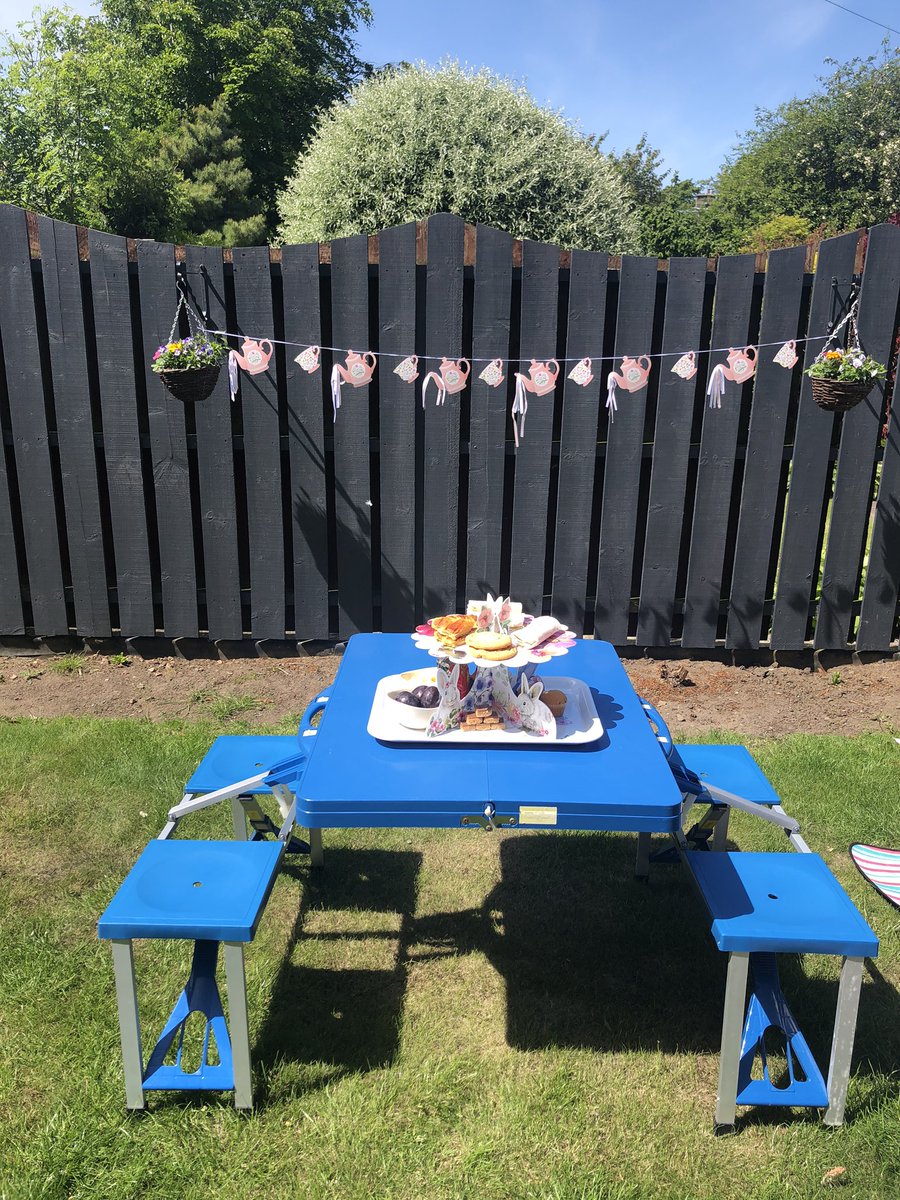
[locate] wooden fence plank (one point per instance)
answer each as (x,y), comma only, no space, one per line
(578,439)
(798,561)
(12,620)
(168,446)
(63,303)
(540,305)
(443,336)
(121,435)
(859,440)
(488,421)
(28,419)
(262,447)
(718,443)
(879,605)
(782,300)
(621,478)
(671,451)
(352,477)
(306,439)
(215,463)
(397,425)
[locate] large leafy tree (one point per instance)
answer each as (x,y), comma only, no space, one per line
(419,140)
(832,159)
(276,63)
(93,110)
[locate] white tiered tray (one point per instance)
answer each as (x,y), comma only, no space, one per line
(554,647)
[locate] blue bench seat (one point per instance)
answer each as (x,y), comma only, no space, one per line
(764,904)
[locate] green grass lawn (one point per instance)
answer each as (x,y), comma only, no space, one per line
(435,1013)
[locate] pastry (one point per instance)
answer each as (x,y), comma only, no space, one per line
(495,647)
(451,630)
(480,721)
(555,701)
(538,631)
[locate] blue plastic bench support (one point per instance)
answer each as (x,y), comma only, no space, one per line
(763,904)
(209,892)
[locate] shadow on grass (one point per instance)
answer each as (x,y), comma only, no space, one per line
(346,1019)
(591,959)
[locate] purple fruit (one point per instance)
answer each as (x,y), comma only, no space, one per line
(407,698)
(428,696)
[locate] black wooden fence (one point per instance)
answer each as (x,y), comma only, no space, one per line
(767,522)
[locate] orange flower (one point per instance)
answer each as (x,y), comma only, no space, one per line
(834,354)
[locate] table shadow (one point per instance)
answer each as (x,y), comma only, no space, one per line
(342,1020)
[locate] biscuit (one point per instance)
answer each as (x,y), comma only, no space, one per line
(495,655)
(485,640)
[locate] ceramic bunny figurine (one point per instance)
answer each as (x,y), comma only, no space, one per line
(449,705)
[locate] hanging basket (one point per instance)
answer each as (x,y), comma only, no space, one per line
(191,385)
(839,395)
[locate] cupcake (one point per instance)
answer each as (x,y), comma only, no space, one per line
(555,701)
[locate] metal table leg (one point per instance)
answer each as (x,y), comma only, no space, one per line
(316,852)
(732,1029)
(642,859)
(238,819)
(842,1042)
(129,1023)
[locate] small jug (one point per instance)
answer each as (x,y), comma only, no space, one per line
(254,359)
(741,364)
(581,373)
(357,369)
(455,374)
(408,370)
(308,359)
(543,377)
(632,375)
(493,373)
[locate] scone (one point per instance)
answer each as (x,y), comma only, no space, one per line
(494,647)
(451,630)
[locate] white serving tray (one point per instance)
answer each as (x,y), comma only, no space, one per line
(578,724)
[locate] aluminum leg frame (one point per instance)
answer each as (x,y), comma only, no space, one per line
(130,1024)
(237,793)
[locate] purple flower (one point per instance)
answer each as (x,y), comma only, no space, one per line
(858,360)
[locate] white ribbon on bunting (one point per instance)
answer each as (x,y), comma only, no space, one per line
(611,402)
(336,382)
(519,409)
(232,375)
(433,377)
(716,386)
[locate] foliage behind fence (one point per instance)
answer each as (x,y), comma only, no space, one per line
(767,522)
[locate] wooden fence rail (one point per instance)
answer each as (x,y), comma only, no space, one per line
(767,522)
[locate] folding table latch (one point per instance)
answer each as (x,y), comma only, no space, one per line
(488,819)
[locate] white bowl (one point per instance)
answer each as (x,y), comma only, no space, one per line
(406,715)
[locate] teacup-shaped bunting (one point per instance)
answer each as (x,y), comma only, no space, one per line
(787,355)
(308,359)
(408,370)
(686,367)
(581,373)
(493,373)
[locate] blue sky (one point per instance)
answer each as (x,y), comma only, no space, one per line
(689,74)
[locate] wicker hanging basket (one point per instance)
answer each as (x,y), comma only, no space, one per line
(191,385)
(839,395)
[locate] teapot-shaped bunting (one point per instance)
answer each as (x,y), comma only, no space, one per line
(541,377)
(453,377)
(741,365)
(632,375)
(356,369)
(253,357)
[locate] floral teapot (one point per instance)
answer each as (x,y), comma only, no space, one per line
(357,369)
(254,357)
(454,374)
(541,377)
(632,375)
(741,364)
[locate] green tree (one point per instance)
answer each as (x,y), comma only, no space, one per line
(832,159)
(778,232)
(213,204)
(412,142)
(73,111)
(672,225)
(275,62)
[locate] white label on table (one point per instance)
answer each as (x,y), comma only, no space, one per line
(536,815)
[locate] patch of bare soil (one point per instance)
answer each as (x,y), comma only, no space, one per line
(691,695)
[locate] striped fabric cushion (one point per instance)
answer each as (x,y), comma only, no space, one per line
(881,867)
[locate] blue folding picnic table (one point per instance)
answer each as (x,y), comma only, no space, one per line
(619,782)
